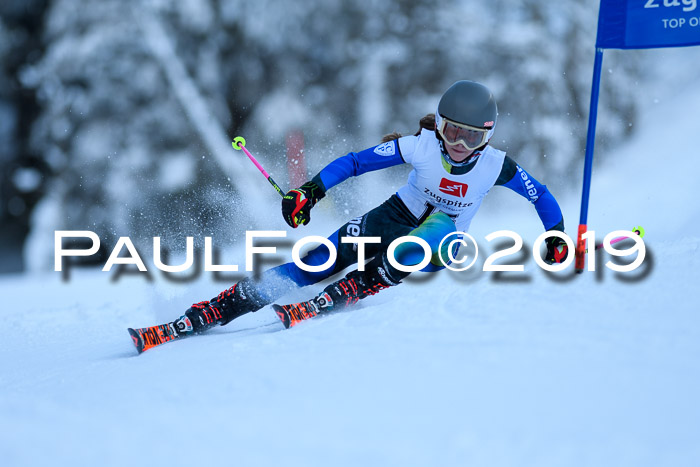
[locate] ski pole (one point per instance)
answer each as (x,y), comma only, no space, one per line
(639,230)
(239,144)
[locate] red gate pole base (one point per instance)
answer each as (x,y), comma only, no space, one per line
(581,248)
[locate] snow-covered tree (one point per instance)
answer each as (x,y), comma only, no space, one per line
(22,172)
(129,162)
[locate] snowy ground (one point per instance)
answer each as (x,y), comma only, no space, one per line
(600,369)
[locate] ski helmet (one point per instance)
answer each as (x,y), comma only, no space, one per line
(466,115)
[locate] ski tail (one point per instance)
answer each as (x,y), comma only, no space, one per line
(295,313)
(138,341)
(283,315)
(147,338)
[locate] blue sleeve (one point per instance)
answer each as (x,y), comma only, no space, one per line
(547,207)
(356,163)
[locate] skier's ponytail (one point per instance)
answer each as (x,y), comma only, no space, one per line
(391,137)
(427,122)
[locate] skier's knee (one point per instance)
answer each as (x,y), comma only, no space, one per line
(433,230)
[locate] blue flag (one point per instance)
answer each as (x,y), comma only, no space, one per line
(645,24)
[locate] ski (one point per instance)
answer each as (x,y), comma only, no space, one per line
(295,313)
(290,315)
(153,336)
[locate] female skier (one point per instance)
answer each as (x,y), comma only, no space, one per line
(453,169)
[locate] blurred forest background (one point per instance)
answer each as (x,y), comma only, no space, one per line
(116,116)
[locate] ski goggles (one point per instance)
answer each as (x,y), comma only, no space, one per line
(454,133)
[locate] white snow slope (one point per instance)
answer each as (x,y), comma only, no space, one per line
(462,369)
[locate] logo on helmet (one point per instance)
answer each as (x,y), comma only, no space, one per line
(488,124)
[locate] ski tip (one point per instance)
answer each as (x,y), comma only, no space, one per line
(283,315)
(136,338)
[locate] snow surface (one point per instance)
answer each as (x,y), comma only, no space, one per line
(600,369)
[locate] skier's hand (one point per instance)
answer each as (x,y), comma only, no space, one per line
(557,250)
(297,204)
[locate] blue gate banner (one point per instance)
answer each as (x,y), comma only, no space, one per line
(645,24)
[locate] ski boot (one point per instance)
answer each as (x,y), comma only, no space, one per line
(233,302)
(356,286)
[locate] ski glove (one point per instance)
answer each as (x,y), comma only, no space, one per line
(297,204)
(557,250)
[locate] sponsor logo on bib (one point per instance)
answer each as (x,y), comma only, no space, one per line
(450,187)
